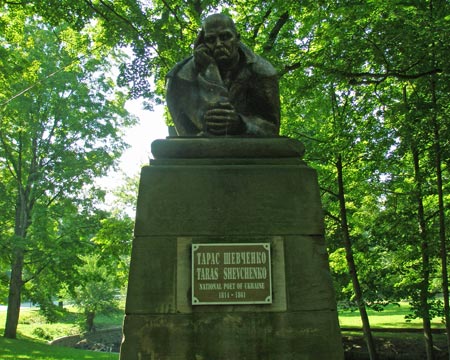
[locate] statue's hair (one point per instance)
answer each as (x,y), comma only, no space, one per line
(213,17)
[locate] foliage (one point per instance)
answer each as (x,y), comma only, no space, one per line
(96,290)
(363,83)
(60,126)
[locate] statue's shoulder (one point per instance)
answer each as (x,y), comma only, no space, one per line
(258,64)
(185,69)
(264,68)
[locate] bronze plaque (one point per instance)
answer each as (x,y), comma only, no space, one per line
(231,273)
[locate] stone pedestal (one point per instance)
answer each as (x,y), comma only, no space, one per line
(229,190)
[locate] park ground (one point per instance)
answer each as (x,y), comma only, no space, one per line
(396,338)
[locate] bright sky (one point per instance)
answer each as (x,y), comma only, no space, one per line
(151,126)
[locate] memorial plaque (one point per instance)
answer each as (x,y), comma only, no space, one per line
(231,273)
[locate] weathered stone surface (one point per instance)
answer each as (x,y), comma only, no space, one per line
(308,278)
(229,200)
(227,147)
(304,335)
(152,276)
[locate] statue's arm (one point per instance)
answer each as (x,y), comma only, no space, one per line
(182,99)
(263,117)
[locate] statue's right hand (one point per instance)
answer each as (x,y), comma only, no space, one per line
(202,56)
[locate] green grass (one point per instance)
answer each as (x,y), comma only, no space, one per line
(34,332)
(27,349)
(33,325)
(393,316)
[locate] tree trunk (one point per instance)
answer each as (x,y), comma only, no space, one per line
(443,250)
(90,315)
(16,281)
(352,266)
(424,248)
(15,289)
(425,281)
(438,165)
(441,208)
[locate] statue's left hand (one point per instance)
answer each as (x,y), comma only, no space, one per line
(223,119)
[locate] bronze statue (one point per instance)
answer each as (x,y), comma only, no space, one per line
(224,88)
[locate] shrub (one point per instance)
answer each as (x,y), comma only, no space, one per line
(42,334)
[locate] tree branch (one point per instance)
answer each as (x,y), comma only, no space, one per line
(275,31)
(175,15)
(289,68)
(198,7)
(367,77)
(10,162)
(258,26)
(37,272)
(97,11)
(328,191)
(364,77)
(332,217)
(121,17)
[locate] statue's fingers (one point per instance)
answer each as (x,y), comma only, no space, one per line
(215,124)
(220,112)
(220,130)
(217,120)
(226,105)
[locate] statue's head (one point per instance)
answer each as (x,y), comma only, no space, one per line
(222,39)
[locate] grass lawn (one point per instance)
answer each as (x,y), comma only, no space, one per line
(27,349)
(34,332)
(393,316)
(33,325)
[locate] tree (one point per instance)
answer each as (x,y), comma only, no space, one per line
(60,127)
(361,45)
(96,290)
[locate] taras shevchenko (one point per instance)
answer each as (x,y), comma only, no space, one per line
(224,88)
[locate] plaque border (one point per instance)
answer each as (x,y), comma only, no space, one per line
(266,301)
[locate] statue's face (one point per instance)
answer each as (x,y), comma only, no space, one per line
(222,40)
